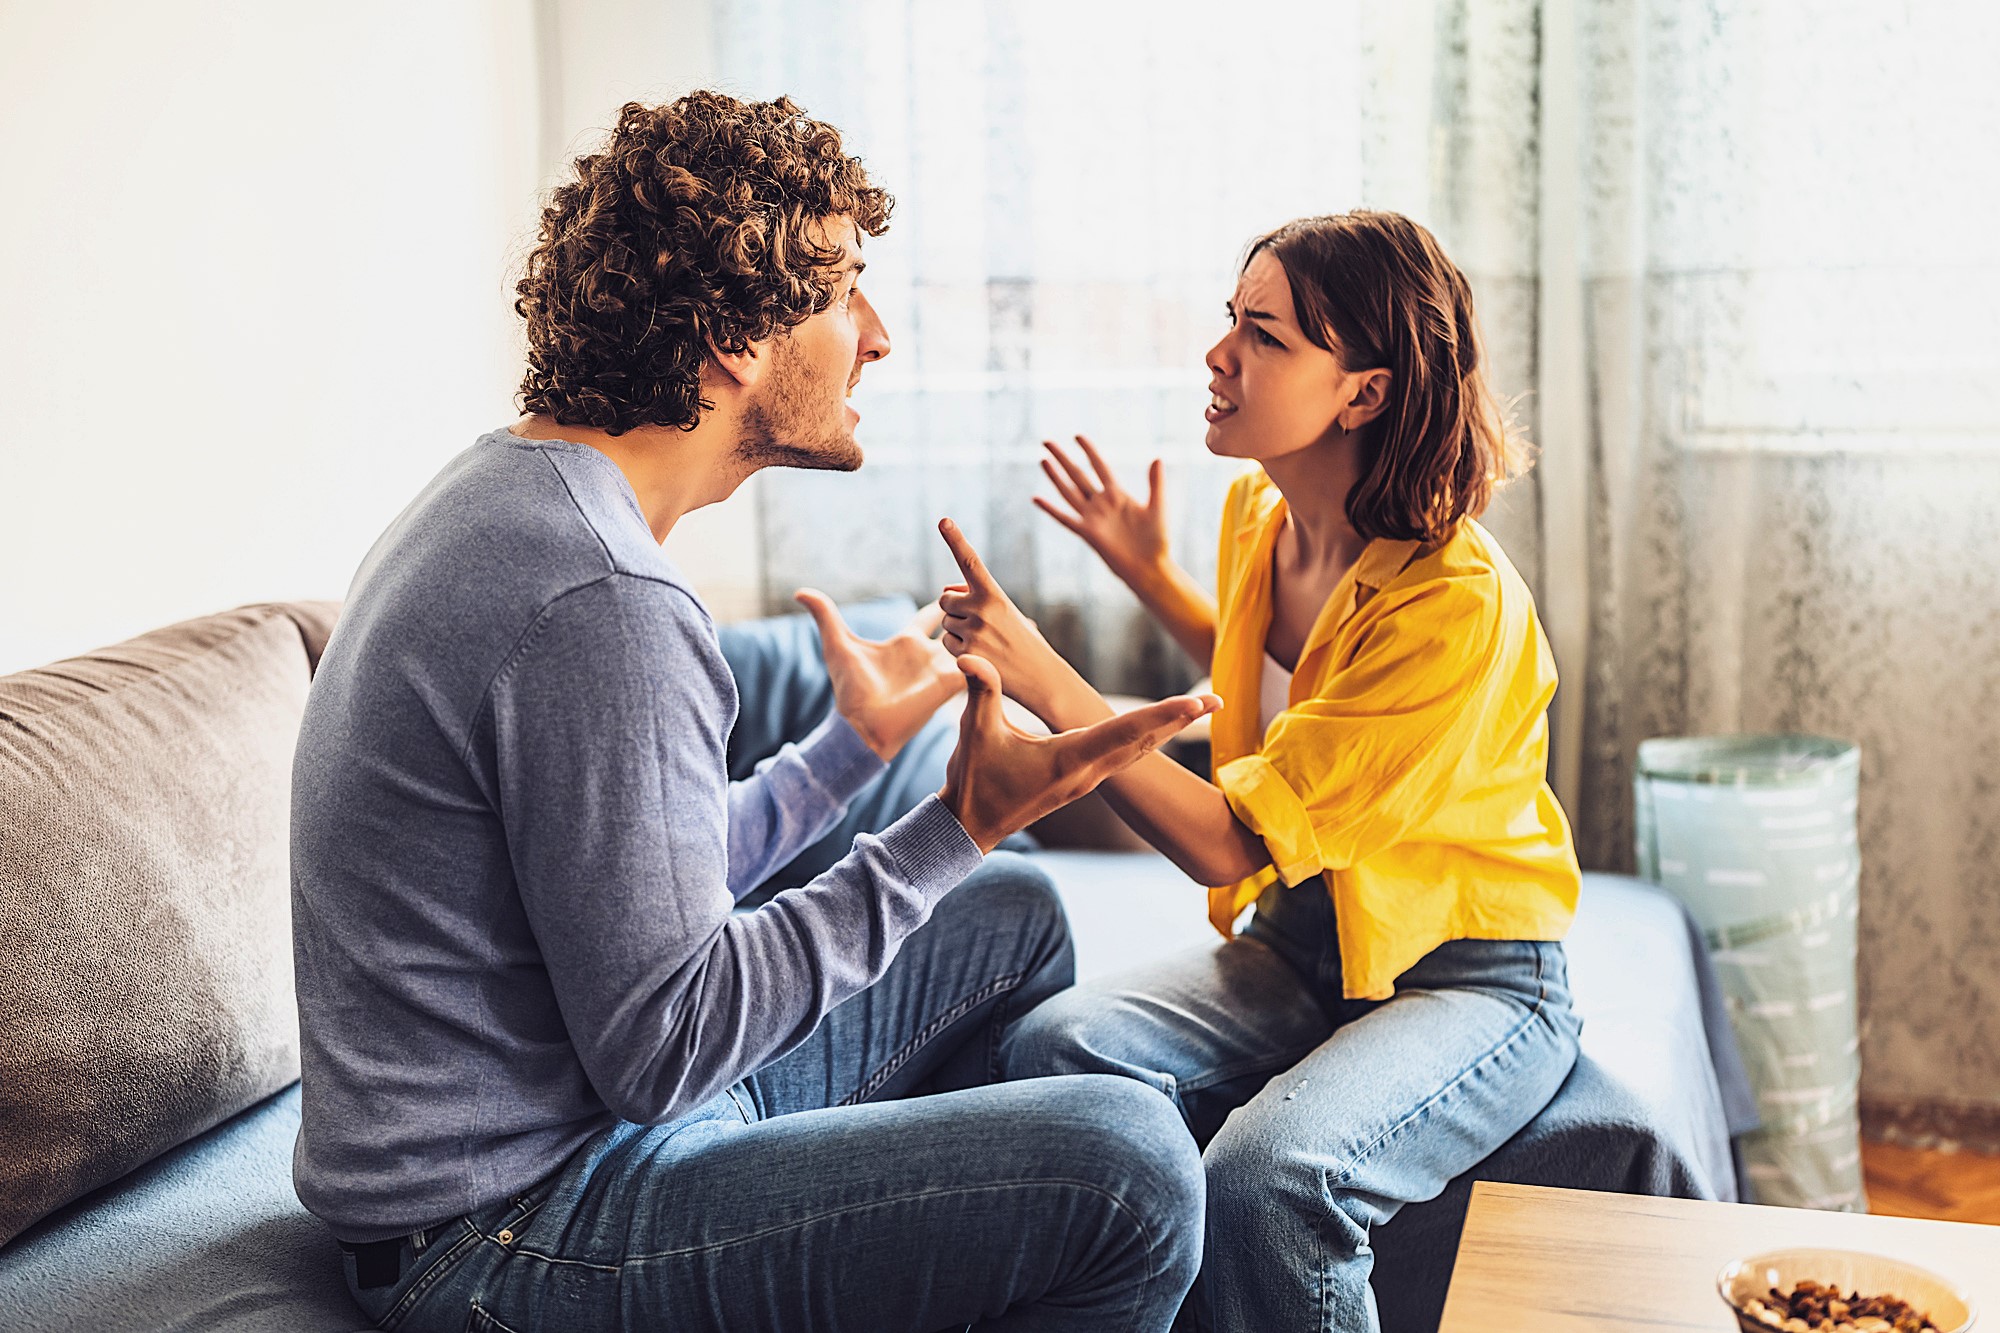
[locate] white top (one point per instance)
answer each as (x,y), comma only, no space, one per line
(1274,694)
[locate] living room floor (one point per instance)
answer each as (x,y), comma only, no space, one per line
(1926,1182)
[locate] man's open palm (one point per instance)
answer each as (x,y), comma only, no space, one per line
(888,688)
(1001,779)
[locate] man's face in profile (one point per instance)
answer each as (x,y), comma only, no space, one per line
(800,416)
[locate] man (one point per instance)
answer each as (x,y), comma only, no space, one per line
(551,1078)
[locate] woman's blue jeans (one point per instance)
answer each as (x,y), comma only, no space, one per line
(1319,1116)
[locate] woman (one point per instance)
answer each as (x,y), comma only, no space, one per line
(1397,1007)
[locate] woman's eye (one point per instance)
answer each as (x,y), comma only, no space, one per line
(1267,339)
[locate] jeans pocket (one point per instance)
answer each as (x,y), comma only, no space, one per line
(481,1320)
(391,1307)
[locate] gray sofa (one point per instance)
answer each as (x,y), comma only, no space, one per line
(148,1044)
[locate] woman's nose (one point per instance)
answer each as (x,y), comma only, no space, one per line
(1218,361)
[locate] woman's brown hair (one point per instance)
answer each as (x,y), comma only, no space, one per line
(1378,291)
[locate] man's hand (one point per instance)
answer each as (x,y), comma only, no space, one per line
(885,689)
(1000,779)
(980,618)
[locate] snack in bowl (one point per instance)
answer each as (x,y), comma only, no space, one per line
(1812,1306)
(1840,1291)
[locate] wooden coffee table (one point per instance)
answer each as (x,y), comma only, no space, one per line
(1549,1259)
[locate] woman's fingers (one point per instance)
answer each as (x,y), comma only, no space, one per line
(1064,486)
(962,625)
(1076,474)
(969,561)
(977,580)
(1060,517)
(1155,478)
(1097,462)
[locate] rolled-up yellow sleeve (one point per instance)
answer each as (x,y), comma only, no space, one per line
(1270,807)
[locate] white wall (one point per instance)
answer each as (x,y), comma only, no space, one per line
(255,283)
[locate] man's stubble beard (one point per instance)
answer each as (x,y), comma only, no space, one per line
(789,425)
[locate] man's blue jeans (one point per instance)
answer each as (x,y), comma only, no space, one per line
(876,1177)
(1320,1116)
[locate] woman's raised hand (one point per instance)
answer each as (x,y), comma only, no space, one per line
(1129,536)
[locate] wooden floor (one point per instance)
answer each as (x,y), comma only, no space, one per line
(1920,1182)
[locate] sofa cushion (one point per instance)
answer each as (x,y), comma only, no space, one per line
(207,1237)
(145,934)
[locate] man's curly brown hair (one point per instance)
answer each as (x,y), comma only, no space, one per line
(695,226)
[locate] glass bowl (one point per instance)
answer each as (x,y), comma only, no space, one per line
(1949,1308)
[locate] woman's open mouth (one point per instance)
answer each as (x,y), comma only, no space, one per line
(1218,408)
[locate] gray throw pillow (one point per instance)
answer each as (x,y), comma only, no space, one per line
(145,929)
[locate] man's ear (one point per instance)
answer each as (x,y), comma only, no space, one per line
(745,367)
(1369,400)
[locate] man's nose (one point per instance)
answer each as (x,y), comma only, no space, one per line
(874,338)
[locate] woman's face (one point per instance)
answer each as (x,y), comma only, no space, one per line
(1273,391)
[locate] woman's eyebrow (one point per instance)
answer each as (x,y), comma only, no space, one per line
(1246,313)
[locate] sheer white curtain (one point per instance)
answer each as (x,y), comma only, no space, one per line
(1738,256)
(1794,460)
(1741,253)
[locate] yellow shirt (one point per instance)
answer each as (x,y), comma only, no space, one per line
(1410,768)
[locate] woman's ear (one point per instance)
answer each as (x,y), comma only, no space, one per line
(1369,399)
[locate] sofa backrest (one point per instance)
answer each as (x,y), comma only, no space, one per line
(145,927)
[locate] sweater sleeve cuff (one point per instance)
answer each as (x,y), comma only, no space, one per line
(1268,807)
(838,760)
(933,848)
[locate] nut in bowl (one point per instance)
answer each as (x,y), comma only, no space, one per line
(1840,1291)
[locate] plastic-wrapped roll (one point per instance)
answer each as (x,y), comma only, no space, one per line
(1756,834)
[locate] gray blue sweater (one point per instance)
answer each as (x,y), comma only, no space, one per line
(516,851)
